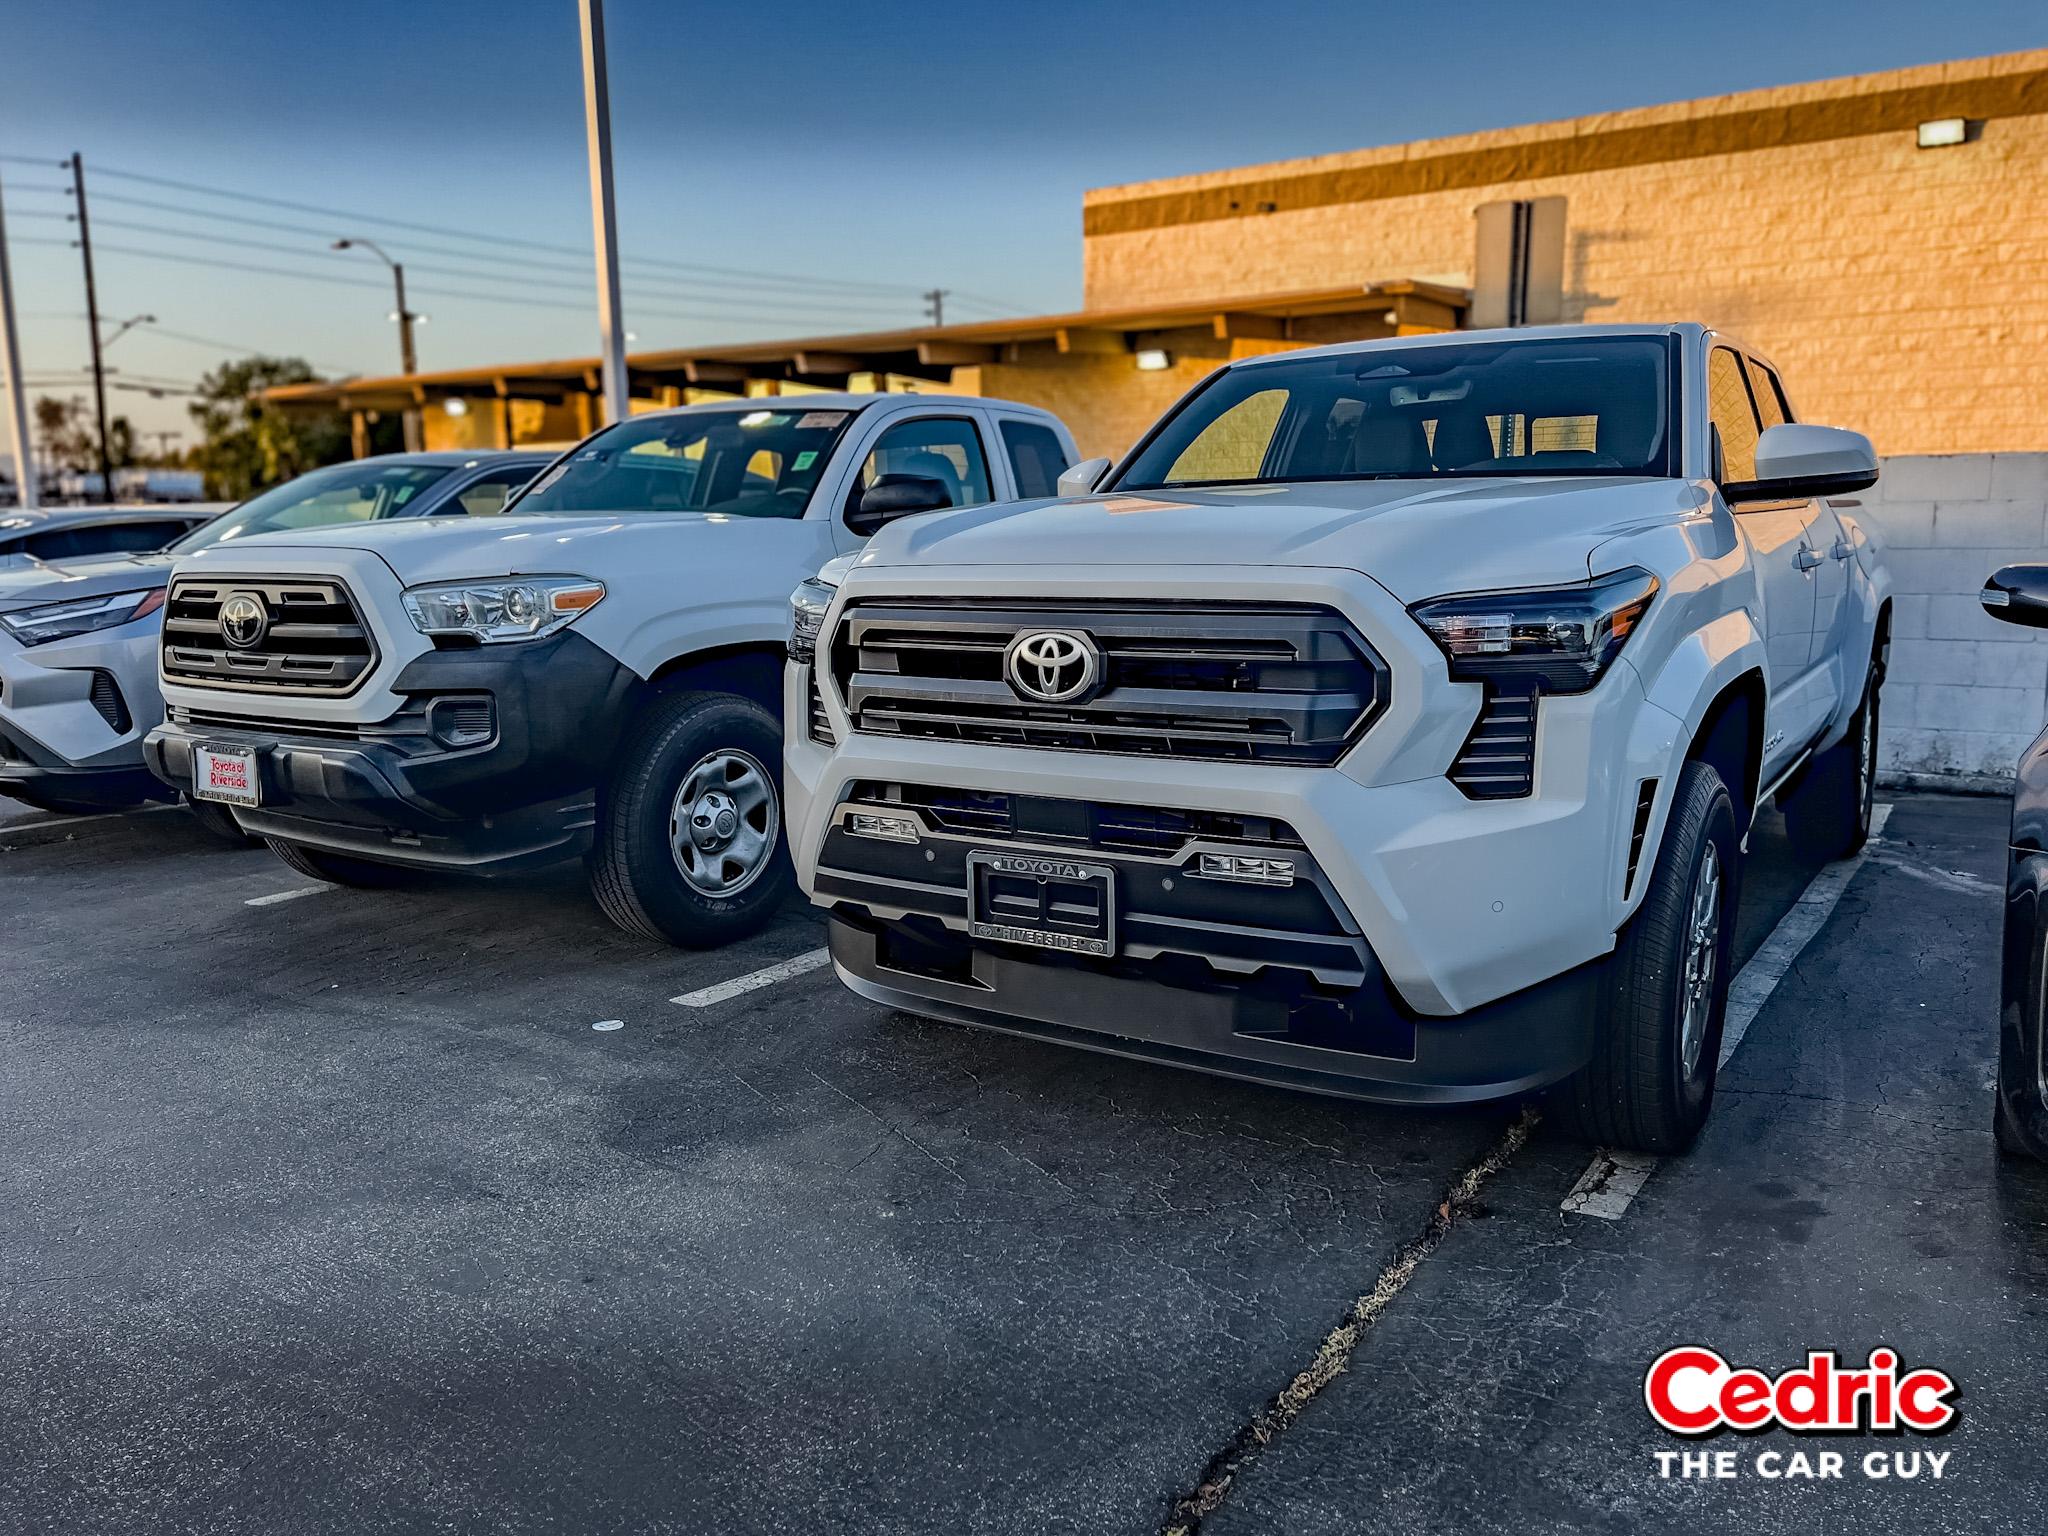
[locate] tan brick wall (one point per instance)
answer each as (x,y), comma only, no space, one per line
(1904,292)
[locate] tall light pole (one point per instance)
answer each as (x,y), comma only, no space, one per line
(597,122)
(125,327)
(92,324)
(10,375)
(408,361)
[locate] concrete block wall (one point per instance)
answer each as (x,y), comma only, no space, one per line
(1966,693)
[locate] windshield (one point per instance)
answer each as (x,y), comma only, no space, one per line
(745,462)
(1569,407)
(342,493)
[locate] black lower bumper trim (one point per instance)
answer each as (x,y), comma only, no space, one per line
(1517,1045)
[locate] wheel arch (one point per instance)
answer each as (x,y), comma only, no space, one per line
(1730,739)
(750,669)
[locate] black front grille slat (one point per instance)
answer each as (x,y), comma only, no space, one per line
(106,698)
(315,642)
(821,723)
(1106,828)
(1247,681)
(1498,760)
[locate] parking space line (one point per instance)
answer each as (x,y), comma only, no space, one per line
(754,981)
(291,895)
(1613,1179)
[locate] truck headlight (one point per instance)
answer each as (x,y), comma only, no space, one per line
(491,612)
(1549,639)
(807,605)
(80,615)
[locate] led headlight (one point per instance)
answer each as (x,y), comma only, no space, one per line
(1549,640)
(491,612)
(807,605)
(79,615)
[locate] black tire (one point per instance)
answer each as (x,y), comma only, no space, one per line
(2010,1142)
(220,822)
(636,872)
(1828,815)
(337,868)
(1643,1091)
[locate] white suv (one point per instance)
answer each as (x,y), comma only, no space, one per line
(1388,723)
(596,671)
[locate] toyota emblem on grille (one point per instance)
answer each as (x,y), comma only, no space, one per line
(244,621)
(1052,666)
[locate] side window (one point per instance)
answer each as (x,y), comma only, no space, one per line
(486,495)
(1733,415)
(1770,395)
(108,539)
(1233,446)
(942,448)
(1036,457)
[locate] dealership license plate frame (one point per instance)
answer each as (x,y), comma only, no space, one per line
(995,881)
(203,786)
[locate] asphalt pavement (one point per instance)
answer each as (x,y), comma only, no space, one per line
(327,1210)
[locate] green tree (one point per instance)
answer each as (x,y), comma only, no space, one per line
(246,443)
(65,430)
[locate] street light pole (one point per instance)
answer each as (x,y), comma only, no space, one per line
(92,323)
(407,359)
(597,122)
(10,376)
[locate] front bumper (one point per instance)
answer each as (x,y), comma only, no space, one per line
(394,793)
(57,745)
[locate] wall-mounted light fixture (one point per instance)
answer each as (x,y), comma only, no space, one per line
(1944,131)
(455,405)
(1154,360)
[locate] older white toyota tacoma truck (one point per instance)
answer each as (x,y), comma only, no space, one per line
(595,671)
(1389,722)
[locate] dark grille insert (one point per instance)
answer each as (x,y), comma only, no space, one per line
(1498,760)
(1645,798)
(1106,828)
(821,723)
(1257,682)
(315,642)
(106,698)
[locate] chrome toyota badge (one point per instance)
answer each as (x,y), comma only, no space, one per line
(243,620)
(1052,666)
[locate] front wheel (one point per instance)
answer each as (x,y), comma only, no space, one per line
(1657,1040)
(689,839)
(337,868)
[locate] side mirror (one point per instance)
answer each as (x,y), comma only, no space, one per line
(2018,594)
(1079,479)
(1795,460)
(894,496)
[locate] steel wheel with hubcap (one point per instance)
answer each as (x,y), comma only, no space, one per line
(688,845)
(723,825)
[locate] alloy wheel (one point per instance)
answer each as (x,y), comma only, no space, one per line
(1702,956)
(723,823)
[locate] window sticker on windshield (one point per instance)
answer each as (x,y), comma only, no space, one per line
(804,461)
(816,421)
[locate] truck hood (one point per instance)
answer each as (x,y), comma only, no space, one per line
(31,582)
(425,549)
(1418,539)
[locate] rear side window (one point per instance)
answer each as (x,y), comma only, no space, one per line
(486,495)
(1036,457)
(1770,395)
(1733,415)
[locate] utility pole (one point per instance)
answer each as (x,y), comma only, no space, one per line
(10,377)
(597,123)
(935,304)
(408,360)
(92,325)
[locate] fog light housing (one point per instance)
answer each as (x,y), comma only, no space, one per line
(1246,869)
(890,829)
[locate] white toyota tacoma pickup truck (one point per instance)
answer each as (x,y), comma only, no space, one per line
(596,670)
(1388,722)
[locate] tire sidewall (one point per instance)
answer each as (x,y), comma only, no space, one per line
(679,732)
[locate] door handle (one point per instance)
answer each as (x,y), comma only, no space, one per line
(1841,551)
(1806,559)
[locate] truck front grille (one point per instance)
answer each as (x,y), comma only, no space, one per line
(310,638)
(1498,760)
(1289,683)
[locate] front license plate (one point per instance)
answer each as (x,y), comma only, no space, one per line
(1045,902)
(226,774)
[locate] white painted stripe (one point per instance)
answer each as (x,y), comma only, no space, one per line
(291,895)
(7,827)
(754,981)
(1613,1179)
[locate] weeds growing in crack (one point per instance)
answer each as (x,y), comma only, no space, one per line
(1334,1354)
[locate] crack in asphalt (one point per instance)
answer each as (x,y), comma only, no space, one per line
(1333,1357)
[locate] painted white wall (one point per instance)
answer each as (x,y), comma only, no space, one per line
(1966,693)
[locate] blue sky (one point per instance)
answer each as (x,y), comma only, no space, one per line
(904,146)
